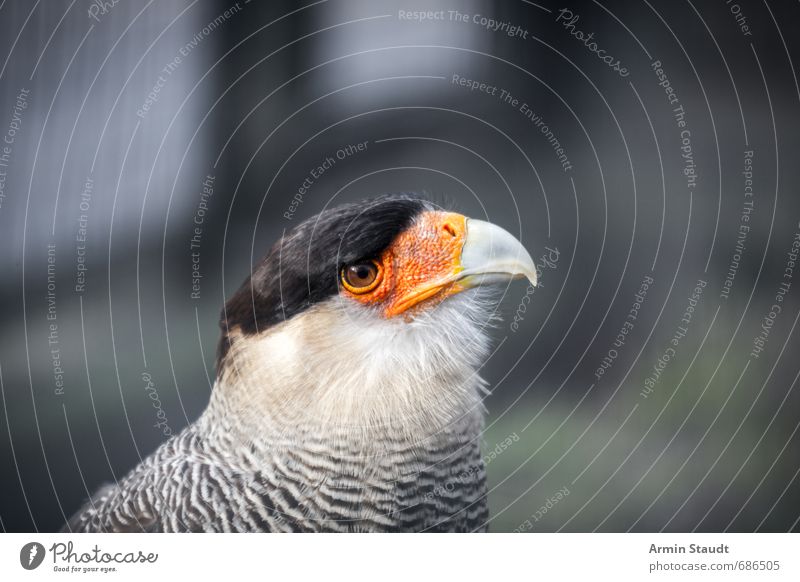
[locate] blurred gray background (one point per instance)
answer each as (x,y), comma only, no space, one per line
(116,116)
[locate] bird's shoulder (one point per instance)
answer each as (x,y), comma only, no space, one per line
(149,493)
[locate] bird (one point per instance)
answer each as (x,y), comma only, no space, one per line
(348,394)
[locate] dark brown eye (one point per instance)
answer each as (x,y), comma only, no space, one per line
(362,277)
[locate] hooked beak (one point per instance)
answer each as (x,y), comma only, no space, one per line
(491,254)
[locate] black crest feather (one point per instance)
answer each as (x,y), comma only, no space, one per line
(302,268)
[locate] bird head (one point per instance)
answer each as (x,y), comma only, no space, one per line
(367,315)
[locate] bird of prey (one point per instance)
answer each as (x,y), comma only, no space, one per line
(348,395)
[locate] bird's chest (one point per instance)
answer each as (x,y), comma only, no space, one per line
(441,489)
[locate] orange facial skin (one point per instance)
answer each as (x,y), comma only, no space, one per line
(421,265)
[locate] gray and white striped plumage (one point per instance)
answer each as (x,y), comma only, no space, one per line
(252,463)
(189,486)
(334,419)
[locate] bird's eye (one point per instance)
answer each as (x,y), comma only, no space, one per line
(362,277)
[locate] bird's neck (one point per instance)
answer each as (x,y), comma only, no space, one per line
(241,416)
(359,384)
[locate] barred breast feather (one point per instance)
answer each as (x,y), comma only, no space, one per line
(194,484)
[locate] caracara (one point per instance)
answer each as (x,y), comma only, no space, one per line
(348,395)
